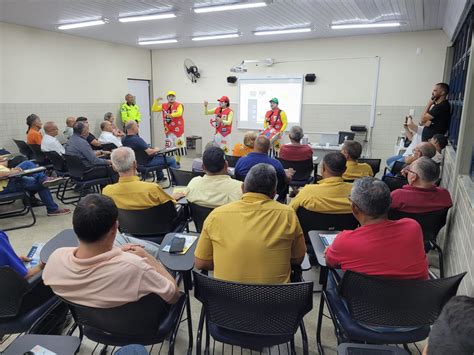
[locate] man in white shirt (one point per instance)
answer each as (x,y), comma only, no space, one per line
(107,135)
(50,143)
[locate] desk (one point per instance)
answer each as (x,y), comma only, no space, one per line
(318,245)
(67,238)
(321,150)
(24,173)
(59,344)
(182,263)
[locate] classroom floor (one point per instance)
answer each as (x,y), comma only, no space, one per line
(47,227)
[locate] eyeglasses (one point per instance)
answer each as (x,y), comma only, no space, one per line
(410,171)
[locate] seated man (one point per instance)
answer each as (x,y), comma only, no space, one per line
(216,188)
(421,194)
(68,131)
(440,142)
(107,136)
(329,195)
(423,149)
(134,141)
(295,151)
(109,116)
(95,144)
(97,274)
(254,240)
(241,150)
(354,170)
(34,183)
(33,134)
(379,247)
(260,155)
(50,143)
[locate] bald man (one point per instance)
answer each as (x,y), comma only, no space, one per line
(67,133)
(50,143)
(129,111)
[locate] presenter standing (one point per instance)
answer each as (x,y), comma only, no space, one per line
(222,122)
(274,125)
(173,122)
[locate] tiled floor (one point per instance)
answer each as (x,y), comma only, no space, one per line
(47,227)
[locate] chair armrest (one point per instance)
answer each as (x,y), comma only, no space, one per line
(35,279)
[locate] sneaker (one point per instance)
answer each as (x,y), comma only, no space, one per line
(59,212)
(50,181)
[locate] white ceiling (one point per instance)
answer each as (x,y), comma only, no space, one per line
(319,14)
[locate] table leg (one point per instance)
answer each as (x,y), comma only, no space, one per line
(187,286)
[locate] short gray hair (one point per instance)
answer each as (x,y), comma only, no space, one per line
(296,133)
(130,124)
(426,169)
(261,178)
(108,115)
(122,159)
(371,196)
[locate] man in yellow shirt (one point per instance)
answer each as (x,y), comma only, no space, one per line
(331,194)
(129,110)
(254,240)
(354,170)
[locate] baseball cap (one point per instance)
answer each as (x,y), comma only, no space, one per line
(223,99)
(275,100)
(170,93)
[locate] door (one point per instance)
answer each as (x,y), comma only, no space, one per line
(141,90)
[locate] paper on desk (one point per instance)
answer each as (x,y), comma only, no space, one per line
(39,350)
(190,239)
(327,239)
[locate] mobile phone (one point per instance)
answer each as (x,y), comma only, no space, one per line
(177,244)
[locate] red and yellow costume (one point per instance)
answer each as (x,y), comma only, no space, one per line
(224,127)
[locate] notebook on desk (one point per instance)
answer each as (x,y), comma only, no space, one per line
(327,239)
(190,239)
(34,255)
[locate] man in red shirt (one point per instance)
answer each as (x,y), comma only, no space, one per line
(379,247)
(295,151)
(421,194)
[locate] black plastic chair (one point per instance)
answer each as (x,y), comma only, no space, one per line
(152,223)
(40,157)
(374,164)
(282,187)
(147,321)
(251,316)
(232,160)
(183,177)
(431,223)
(199,215)
(60,168)
(371,301)
(142,160)
(9,198)
(396,169)
(394,182)
(303,170)
(108,147)
(24,149)
(310,220)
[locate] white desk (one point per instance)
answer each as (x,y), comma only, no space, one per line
(321,150)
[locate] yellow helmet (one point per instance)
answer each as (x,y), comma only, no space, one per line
(170,93)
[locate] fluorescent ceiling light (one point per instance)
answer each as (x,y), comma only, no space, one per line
(366,25)
(208,38)
(157,41)
(159,16)
(82,24)
(238,6)
(281,32)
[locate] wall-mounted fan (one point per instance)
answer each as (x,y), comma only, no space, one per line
(191,70)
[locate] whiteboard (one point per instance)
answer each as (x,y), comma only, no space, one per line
(256,92)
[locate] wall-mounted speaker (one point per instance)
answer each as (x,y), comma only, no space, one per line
(310,78)
(231,79)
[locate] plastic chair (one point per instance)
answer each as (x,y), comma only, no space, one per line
(310,220)
(232,160)
(24,149)
(374,164)
(431,223)
(108,147)
(183,177)
(362,301)
(27,208)
(147,321)
(394,182)
(251,316)
(396,169)
(152,223)
(142,160)
(39,156)
(303,171)
(199,215)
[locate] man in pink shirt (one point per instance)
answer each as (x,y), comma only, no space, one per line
(97,274)
(379,247)
(421,194)
(295,151)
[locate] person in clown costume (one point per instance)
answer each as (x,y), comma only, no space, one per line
(173,122)
(222,122)
(274,125)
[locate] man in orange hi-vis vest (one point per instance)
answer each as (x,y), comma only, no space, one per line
(222,122)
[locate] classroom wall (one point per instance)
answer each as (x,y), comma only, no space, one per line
(57,75)
(332,103)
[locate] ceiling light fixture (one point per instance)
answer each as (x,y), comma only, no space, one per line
(365,25)
(237,6)
(158,16)
(157,41)
(82,24)
(281,32)
(211,37)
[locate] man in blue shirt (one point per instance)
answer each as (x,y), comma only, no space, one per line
(260,155)
(134,141)
(9,258)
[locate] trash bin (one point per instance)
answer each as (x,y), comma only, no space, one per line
(194,146)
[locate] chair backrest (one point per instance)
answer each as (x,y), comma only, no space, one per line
(199,214)
(59,164)
(397,167)
(183,177)
(38,154)
(232,160)
(343,136)
(310,220)
(380,301)
(254,309)
(108,147)
(142,157)
(430,222)
(151,221)
(142,317)
(24,148)
(75,166)
(303,168)
(374,164)
(394,182)
(12,289)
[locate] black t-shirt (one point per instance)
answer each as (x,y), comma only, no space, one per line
(440,123)
(89,139)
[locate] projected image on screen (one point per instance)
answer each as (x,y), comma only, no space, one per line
(256,93)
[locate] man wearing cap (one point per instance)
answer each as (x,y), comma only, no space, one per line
(129,111)
(275,124)
(222,121)
(173,122)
